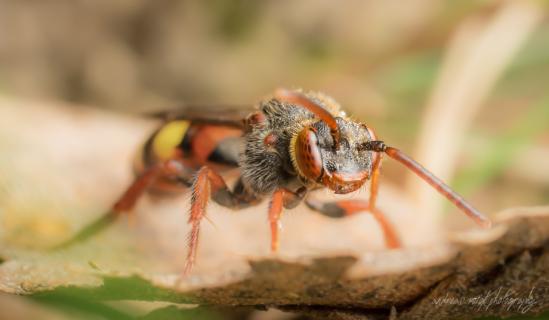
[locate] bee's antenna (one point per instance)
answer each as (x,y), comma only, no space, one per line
(441,187)
(303,101)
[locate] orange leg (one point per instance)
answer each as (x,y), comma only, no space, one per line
(209,183)
(275,211)
(144,181)
(149,177)
(345,208)
(282,197)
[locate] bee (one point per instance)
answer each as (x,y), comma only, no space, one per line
(292,143)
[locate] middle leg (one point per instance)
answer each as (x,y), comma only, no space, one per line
(209,183)
(282,197)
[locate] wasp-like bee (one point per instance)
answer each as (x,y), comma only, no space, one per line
(292,143)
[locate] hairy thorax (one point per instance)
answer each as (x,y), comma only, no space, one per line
(266,161)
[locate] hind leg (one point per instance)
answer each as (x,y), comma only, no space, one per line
(170,169)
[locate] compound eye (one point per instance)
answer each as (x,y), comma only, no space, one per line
(307,154)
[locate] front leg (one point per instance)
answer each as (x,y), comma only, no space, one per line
(345,208)
(282,197)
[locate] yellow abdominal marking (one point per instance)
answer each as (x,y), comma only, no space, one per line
(168,138)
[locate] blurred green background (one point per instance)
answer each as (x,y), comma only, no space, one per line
(382,60)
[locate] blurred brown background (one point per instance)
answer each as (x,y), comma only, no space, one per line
(396,65)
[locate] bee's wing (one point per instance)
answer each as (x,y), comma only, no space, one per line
(233,116)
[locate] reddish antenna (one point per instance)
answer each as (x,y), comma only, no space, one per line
(441,187)
(303,101)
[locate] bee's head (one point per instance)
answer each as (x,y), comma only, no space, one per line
(332,150)
(342,166)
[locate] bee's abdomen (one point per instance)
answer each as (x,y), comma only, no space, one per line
(193,144)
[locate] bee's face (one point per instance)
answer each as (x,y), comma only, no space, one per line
(343,169)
